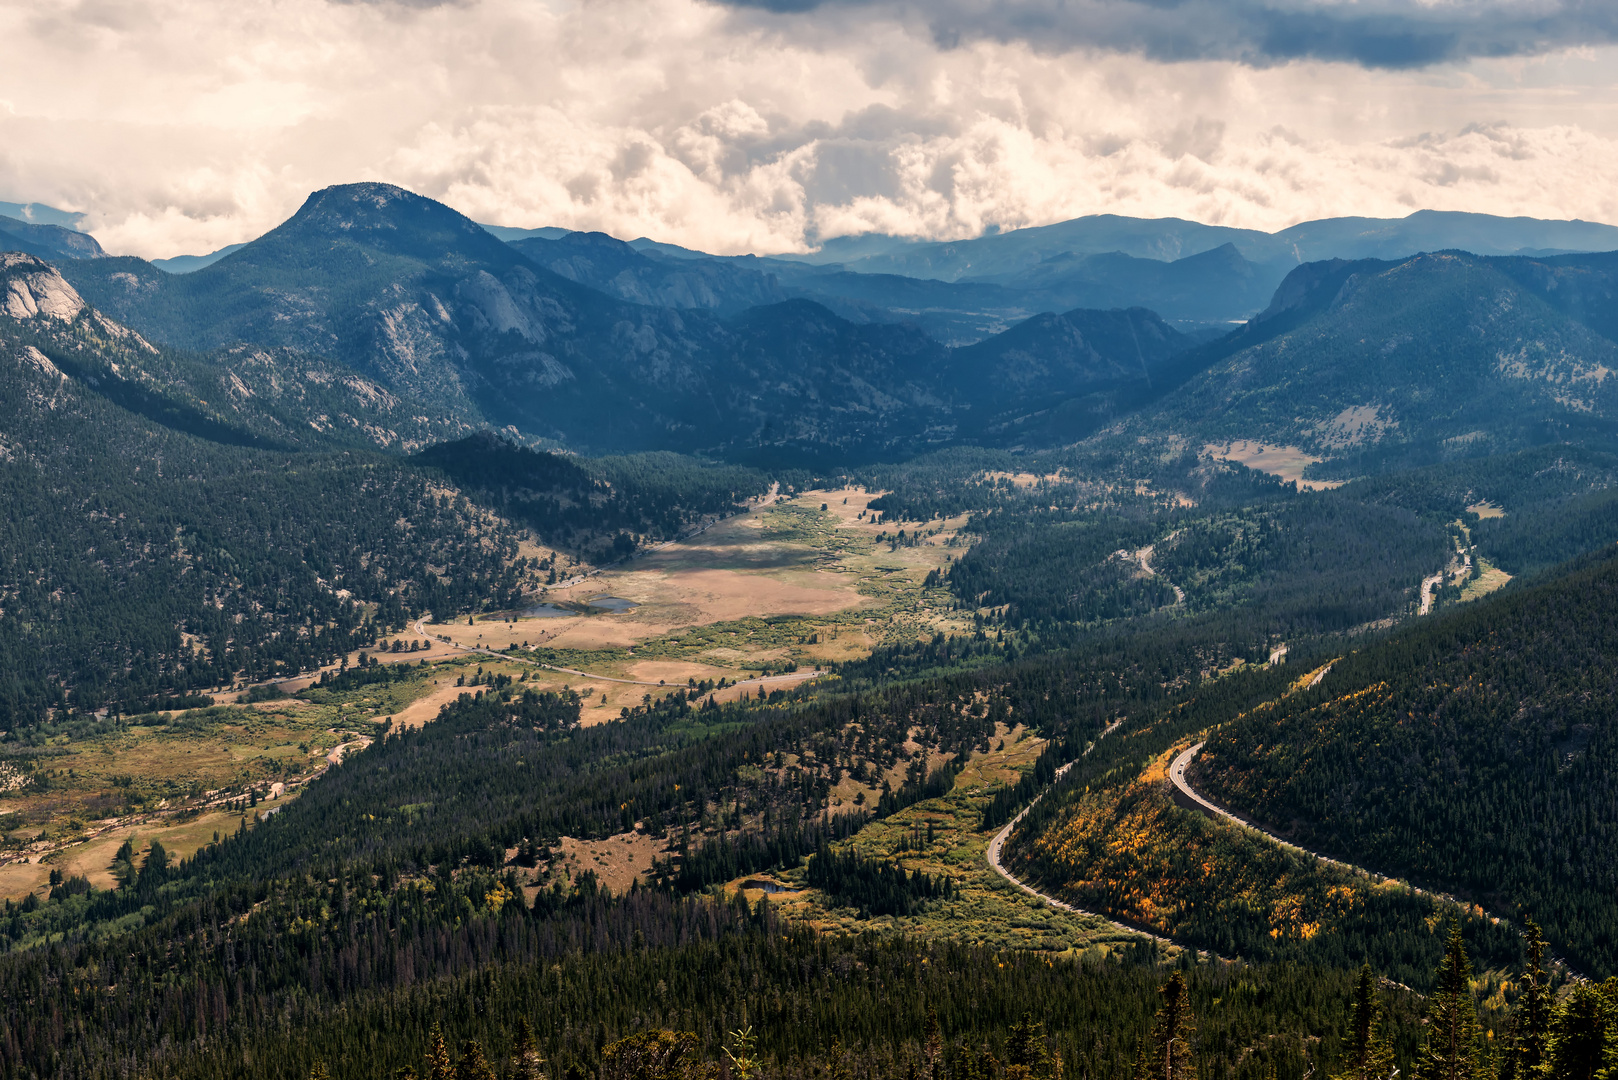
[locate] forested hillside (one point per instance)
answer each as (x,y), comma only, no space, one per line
(1393,365)
(141,561)
(178,523)
(1477,753)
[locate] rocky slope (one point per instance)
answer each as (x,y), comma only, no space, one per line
(1369,363)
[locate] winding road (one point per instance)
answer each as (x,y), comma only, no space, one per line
(1187,797)
(1144,558)
(999,842)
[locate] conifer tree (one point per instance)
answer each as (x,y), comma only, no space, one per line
(526,1060)
(1167,1053)
(1451,1049)
(933,1046)
(1026,1053)
(1364,1015)
(974,1063)
(1583,1034)
(474,1065)
(1371,1056)
(438,1064)
(742,1050)
(1530,1018)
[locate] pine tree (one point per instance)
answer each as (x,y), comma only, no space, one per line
(526,1061)
(1530,1018)
(438,1064)
(1364,1016)
(933,1046)
(742,1050)
(1380,1060)
(473,1064)
(1026,1053)
(1582,1034)
(1371,1056)
(1167,1054)
(1451,1049)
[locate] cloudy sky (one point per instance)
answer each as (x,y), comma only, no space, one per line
(179,126)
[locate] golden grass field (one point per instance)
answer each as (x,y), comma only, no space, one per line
(988,909)
(786,585)
(1286,462)
(168,781)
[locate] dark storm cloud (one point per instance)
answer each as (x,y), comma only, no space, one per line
(1371,33)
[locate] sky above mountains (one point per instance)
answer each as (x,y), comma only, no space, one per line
(179,126)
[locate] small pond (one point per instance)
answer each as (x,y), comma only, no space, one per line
(611,603)
(548,611)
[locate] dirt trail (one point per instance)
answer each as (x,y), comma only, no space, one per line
(335,756)
(1428,584)
(1459,568)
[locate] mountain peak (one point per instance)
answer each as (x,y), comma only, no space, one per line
(387,216)
(368,195)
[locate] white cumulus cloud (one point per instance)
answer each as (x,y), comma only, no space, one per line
(180,126)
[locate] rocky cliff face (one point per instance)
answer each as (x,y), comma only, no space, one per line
(34,290)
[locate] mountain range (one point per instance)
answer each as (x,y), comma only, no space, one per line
(584,341)
(1188,272)
(425,302)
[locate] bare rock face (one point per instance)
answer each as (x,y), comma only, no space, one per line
(34,289)
(31,288)
(41,363)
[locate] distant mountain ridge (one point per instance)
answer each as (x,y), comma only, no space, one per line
(616,268)
(186,264)
(432,307)
(602,346)
(1188,272)
(1369,363)
(47,241)
(1169,239)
